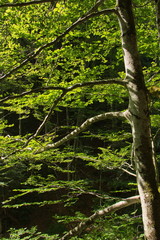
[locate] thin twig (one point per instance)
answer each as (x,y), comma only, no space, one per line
(128,172)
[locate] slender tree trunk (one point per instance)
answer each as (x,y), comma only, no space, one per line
(138,114)
(157,4)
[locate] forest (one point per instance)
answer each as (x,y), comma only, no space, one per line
(79,119)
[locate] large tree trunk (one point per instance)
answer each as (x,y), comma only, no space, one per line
(138,114)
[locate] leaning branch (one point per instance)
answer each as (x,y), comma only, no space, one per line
(83,127)
(59,98)
(65,91)
(56,40)
(115,207)
(128,172)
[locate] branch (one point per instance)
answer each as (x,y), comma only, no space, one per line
(30,92)
(141,6)
(40,127)
(128,172)
(95,7)
(25,3)
(56,40)
(100,82)
(83,127)
(65,91)
(156,134)
(46,118)
(115,207)
(77,85)
(153,75)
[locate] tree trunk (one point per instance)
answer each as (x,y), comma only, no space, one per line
(157,5)
(138,114)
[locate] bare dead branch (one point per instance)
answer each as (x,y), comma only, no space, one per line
(23,4)
(56,40)
(113,208)
(84,125)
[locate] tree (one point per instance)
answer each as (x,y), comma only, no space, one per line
(140,122)
(138,112)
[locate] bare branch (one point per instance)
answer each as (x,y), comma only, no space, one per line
(113,208)
(84,125)
(128,172)
(56,40)
(22,4)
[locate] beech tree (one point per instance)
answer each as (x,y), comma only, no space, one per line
(139,117)
(63,72)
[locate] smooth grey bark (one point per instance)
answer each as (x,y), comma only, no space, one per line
(140,123)
(84,126)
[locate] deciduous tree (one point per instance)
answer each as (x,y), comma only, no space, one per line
(63,59)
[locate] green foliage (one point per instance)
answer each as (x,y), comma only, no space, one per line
(78,217)
(155,121)
(108,158)
(111,228)
(90,52)
(115,227)
(45,185)
(24,234)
